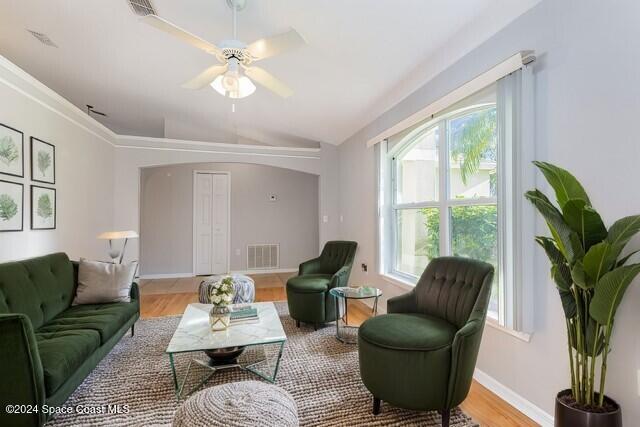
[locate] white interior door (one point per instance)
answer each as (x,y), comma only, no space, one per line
(211,223)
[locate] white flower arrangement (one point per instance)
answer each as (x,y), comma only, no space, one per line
(221,292)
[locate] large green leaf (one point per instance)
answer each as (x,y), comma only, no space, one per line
(579,276)
(609,292)
(566,239)
(564,184)
(585,221)
(552,251)
(600,258)
(566,297)
(623,230)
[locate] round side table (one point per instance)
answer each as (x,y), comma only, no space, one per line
(341,295)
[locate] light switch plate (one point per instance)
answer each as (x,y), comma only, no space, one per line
(325,218)
(238,252)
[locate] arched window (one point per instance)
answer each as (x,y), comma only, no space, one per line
(444,192)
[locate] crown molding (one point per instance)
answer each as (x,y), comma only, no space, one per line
(51,100)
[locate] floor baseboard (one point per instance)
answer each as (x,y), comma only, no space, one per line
(266,271)
(514,399)
(166,276)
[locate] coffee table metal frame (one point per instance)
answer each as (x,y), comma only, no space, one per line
(179,387)
(341,296)
(196,312)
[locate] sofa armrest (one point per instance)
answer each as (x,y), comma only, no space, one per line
(21,371)
(309,267)
(134,293)
(465,347)
(405,303)
(340,278)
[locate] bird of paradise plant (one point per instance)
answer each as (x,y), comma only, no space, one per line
(590,273)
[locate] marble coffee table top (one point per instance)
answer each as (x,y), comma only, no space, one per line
(194,333)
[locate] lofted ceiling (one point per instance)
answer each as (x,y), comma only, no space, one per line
(362,57)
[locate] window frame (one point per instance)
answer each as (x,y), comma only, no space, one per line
(444,201)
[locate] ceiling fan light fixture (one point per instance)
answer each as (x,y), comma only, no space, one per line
(241,87)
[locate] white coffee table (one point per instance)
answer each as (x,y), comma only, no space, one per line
(194,335)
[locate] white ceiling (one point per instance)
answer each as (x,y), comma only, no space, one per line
(362,57)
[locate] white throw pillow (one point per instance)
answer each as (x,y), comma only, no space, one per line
(103,282)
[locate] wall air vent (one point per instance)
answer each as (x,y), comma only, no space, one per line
(142,7)
(263,257)
(43,38)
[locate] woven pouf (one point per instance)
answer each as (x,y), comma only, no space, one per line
(243,289)
(239,404)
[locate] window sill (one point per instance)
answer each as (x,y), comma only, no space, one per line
(523,336)
(398,281)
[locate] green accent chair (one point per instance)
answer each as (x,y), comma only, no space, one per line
(47,346)
(422,354)
(308,293)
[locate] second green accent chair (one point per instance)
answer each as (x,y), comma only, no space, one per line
(422,354)
(308,293)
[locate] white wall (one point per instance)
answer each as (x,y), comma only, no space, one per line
(166,220)
(587,100)
(84,169)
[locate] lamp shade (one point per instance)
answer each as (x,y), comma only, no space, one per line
(115,235)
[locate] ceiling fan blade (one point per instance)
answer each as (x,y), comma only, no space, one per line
(267,47)
(184,35)
(206,77)
(98,113)
(267,80)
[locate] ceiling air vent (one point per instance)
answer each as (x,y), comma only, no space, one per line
(142,7)
(43,38)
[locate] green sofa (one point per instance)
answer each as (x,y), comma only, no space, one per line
(47,346)
(422,354)
(308,293)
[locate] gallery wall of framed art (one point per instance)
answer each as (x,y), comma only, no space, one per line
(43,203)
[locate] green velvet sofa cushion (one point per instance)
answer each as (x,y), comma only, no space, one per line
(63,352)
(41,287)
(105,319)
(408,332)
(311,283)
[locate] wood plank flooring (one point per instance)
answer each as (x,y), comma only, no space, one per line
(169,297)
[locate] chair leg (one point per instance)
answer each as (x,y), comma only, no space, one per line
(315,326)
(376,405)
(133,329)
(446,415)
(297,323)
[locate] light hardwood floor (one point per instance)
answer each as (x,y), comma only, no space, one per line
(167,297)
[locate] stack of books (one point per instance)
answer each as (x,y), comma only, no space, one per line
(244,314)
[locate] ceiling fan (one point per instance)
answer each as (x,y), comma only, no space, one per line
(235,77)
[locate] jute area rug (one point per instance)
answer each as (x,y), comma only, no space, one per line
(320,373)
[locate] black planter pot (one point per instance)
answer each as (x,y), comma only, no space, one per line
(567,416)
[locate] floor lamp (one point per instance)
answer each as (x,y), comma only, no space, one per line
(118,235)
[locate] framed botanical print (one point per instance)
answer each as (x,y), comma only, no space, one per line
(11,206)
(43,208)
(11,151)
(43,161)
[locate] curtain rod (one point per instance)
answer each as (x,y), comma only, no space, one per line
(481,81)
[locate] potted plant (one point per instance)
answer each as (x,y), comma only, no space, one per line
(591,275)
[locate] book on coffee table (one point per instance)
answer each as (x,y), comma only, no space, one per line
(244,314)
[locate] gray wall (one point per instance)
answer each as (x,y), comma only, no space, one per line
(587,100)
(166,214)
